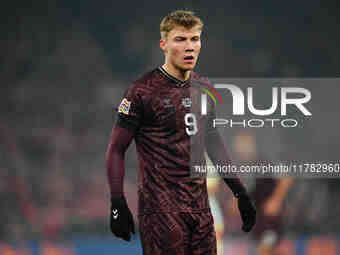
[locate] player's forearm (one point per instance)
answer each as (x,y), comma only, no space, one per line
(119,142)
(115,171)
(219,155)
(282,189)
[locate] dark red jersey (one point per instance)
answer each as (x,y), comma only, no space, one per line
(165,116)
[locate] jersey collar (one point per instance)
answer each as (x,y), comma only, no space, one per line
(172,78)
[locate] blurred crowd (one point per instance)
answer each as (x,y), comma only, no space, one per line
(60,87)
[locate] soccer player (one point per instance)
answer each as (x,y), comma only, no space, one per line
(269,194)
(160,111)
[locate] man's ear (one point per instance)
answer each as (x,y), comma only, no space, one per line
(162,45)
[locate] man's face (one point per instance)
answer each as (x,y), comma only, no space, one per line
(182,47)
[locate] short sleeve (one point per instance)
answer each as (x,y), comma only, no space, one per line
(130,110)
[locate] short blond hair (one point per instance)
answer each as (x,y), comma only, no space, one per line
(182,18)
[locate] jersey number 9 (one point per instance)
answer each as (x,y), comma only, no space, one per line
(191,123)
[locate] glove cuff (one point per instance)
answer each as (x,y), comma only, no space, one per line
(241,194)
(118,200)
(236,186)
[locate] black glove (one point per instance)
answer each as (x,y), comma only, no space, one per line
(121,220)
(247,211)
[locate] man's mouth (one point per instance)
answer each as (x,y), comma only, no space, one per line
(188,58)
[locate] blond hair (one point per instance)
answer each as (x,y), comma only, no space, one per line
(182,18)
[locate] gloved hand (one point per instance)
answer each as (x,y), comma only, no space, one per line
(121,220)
(247,211)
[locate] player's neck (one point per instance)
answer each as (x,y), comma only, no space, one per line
(178,74)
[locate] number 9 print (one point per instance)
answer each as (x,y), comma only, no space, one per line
(191,123)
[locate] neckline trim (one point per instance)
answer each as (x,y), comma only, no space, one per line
(172,78)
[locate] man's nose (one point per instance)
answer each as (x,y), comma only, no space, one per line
(189,47)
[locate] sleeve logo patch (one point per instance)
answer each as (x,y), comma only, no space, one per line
(124,106)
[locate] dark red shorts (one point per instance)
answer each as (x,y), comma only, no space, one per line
(178,233)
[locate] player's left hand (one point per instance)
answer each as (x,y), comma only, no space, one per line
(247,211)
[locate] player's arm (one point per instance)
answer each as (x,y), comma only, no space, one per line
(121,220)
(219,155)
(119,142)
(126,127)
(273,204)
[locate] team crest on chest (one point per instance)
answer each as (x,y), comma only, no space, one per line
(186,102)
(124,106)
(167,103)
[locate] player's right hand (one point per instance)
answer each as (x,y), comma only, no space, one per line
(121,220)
